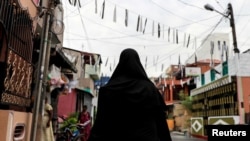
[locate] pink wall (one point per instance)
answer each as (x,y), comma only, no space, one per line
(67,103)
(246,92)
(36,1)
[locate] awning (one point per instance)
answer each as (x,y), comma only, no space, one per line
(86,90)
(60,60)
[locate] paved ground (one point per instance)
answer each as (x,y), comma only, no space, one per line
(177,136)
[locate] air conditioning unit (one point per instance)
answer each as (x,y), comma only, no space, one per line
(15,126)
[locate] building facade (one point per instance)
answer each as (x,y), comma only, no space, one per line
(21,43)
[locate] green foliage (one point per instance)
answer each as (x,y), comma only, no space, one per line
(170,116)
(72,119)
(186,100)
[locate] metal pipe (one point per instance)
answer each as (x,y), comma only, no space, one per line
(38,103)
(46,67)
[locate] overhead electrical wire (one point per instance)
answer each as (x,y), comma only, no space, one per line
(126,35)
(211,32)
(137,36)
(150,45)
(190,5)
(166,56)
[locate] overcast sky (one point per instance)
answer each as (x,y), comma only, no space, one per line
(183,25)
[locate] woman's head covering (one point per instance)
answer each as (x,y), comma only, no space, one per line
(129,67)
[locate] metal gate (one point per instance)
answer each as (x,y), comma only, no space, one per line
(16,54)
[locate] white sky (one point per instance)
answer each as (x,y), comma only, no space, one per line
(86,31)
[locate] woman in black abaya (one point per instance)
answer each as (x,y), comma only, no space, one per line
(130,107)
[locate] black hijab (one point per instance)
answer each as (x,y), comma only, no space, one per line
(130,107)
(129,66)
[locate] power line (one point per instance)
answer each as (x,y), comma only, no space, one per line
(190,5)
(211,32)
(83,26)
(131,35)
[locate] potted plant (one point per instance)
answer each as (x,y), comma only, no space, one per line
(170,121)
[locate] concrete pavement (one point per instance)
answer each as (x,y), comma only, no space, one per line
(179,136)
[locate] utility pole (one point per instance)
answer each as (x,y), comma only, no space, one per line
(236,57)
(238,78)
(230,10)
(36,128)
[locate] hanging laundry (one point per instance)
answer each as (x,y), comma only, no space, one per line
(107,62)
(179,61)
(103,8)
(70,2)
(82,63)
(110,67)
(126,17)
(159,30)
(219,47)
(177,36)
(222,51)
(74,2)
(145,23)
(225,48)
(180,66)
(212,48)
(188,40)
(96,6)
(168,34)
(224,45)
(90,59)
(195,57)
(114,17)
(212,52)
(173,36)
(138,23)
(79,4)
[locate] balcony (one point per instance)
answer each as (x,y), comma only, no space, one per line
(92,71)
